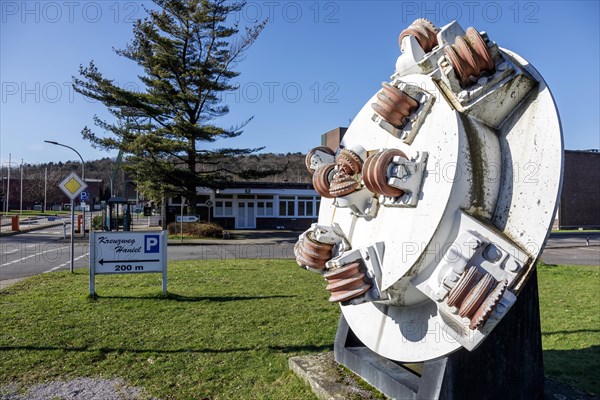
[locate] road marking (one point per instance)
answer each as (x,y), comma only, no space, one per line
(25,258)
(585,248)
(66,263)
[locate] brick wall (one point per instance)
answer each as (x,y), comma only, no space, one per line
(580,198)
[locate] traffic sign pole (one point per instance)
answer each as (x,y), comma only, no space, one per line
(72,186)
(72,235)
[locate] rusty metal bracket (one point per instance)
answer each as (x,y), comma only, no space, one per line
(415,119)
(406,175)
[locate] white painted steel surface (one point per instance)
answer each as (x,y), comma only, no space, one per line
(493,177)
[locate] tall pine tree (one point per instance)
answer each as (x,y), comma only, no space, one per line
(187,50)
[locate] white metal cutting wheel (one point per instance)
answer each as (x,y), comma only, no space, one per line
(458,184)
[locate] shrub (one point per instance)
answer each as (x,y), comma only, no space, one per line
(197,229)
(97,223)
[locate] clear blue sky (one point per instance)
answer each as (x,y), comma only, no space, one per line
(312,69)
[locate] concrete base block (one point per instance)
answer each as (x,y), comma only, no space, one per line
(327,379)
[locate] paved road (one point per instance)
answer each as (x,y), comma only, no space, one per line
(45,251)
(37,252)
(572,248)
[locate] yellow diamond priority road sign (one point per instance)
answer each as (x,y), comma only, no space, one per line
(72,185)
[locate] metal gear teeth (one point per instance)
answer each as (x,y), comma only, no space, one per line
(424,31)
(349,162)
(490,303)
(342,184)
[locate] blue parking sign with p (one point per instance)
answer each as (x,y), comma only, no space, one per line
(151,244)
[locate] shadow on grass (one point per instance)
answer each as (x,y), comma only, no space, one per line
(106,350)
(575,367)
(571,332)
(180,298)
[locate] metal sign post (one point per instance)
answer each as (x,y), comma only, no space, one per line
(181,220)
(72,186)
(127,253)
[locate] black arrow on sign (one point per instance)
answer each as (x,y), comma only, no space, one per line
(102,262)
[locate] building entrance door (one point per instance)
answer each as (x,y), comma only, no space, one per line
(246,217)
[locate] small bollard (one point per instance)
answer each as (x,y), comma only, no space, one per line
(15,223)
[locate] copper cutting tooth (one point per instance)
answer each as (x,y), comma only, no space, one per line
(469,56)
(349,162)
(321,180)
(424,31)
(312,152)
(353,282)
(464,285)
(476,296)
(345,295)
(393,104)
(312,253)
(343,272)
(375,173)
(342,184)
(490,303)
(346,282)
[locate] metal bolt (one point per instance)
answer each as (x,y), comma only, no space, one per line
(492,253)
(512,265)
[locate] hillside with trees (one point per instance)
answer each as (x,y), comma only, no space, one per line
(49,175)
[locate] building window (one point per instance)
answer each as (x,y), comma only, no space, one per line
(264,208)
(287,206)
(223,208)
(305,207)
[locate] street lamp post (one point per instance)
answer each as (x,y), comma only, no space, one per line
(73,202)
(21,191)
(82,173)
(7,195)
(8,185)
(69,147)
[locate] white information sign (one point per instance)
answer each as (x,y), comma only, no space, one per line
(128,253)
(187,218)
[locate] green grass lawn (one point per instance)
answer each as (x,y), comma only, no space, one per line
(228,328)
(570,313)
(226,332)
(31,213)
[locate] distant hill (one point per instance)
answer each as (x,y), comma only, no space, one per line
(34,180)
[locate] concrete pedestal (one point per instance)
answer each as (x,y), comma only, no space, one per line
(508,365)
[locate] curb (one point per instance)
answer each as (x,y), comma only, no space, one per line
(31,229)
